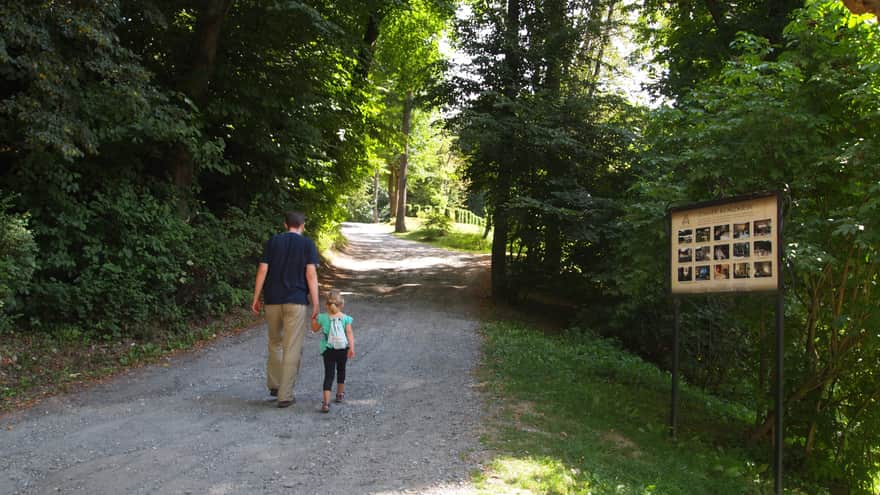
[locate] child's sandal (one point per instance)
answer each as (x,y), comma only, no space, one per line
(339,397)
(325,407)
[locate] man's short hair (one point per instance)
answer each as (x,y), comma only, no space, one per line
(294,219)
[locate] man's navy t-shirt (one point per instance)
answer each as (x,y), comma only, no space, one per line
(287,255)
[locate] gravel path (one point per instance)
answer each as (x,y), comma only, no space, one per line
(204,424)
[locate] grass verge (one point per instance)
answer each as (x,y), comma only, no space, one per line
(463,237)
(574,414)
(34,366)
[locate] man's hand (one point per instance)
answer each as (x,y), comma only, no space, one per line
(262,270)
(314,311)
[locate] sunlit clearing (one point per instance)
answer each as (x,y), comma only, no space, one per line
(512,475)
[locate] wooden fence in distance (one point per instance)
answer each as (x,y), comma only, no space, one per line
(460,215)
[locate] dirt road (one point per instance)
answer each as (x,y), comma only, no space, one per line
(205,424)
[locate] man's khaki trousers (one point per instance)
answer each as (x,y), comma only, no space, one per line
(287,329)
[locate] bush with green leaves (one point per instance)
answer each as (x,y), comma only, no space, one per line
(113,261)
(437,224)
(18,260)
(126,263)
(220,276)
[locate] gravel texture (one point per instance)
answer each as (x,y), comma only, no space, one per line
(203,423)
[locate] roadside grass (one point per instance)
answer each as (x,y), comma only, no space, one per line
(464,237)
(34,366)
(574,414)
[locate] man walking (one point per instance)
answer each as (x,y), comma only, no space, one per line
(288,278)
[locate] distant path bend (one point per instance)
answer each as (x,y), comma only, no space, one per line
(205,425)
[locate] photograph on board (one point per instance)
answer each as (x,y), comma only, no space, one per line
(703,253)
(741,230)
(763,269)
(685,274)
(704,234)
(763,228)
(722,252)
(741,250)
(685,236)
(702,272)
(722,272)
(722,232)
(741,270)
(684,255)
(763,248)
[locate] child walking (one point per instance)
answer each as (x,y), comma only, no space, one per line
(337,345)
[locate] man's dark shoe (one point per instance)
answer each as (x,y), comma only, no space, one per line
(273,392)
(285,403)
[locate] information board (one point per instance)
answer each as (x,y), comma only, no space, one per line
(726,246)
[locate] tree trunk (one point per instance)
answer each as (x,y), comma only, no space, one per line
(376,196)
(499,249)
(557,40)
(365,55)
(552,247)
(400,224)
(500,219)
(604,39)
(194,84)
(392,188)
(717,13)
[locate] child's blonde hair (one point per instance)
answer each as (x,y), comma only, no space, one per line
(335,301)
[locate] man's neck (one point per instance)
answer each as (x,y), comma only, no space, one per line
(298,230)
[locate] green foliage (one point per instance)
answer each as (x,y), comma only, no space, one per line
(436,224)
(114,259)
(408,53)
(596,422)
(692,39)
(18,260)
(460,237)
(95,113)
(70,88)
(126,263)
(434,174)
(545,146)
(408,68)
(802,118)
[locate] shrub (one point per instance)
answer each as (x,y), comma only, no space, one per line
(18,259)
(437,224)
(221,273)
(116,261)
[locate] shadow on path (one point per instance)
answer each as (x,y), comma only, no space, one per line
(377,264)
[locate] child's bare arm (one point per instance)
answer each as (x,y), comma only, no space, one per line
(350,335)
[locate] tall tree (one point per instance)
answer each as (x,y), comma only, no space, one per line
(408,58)
(536,132)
